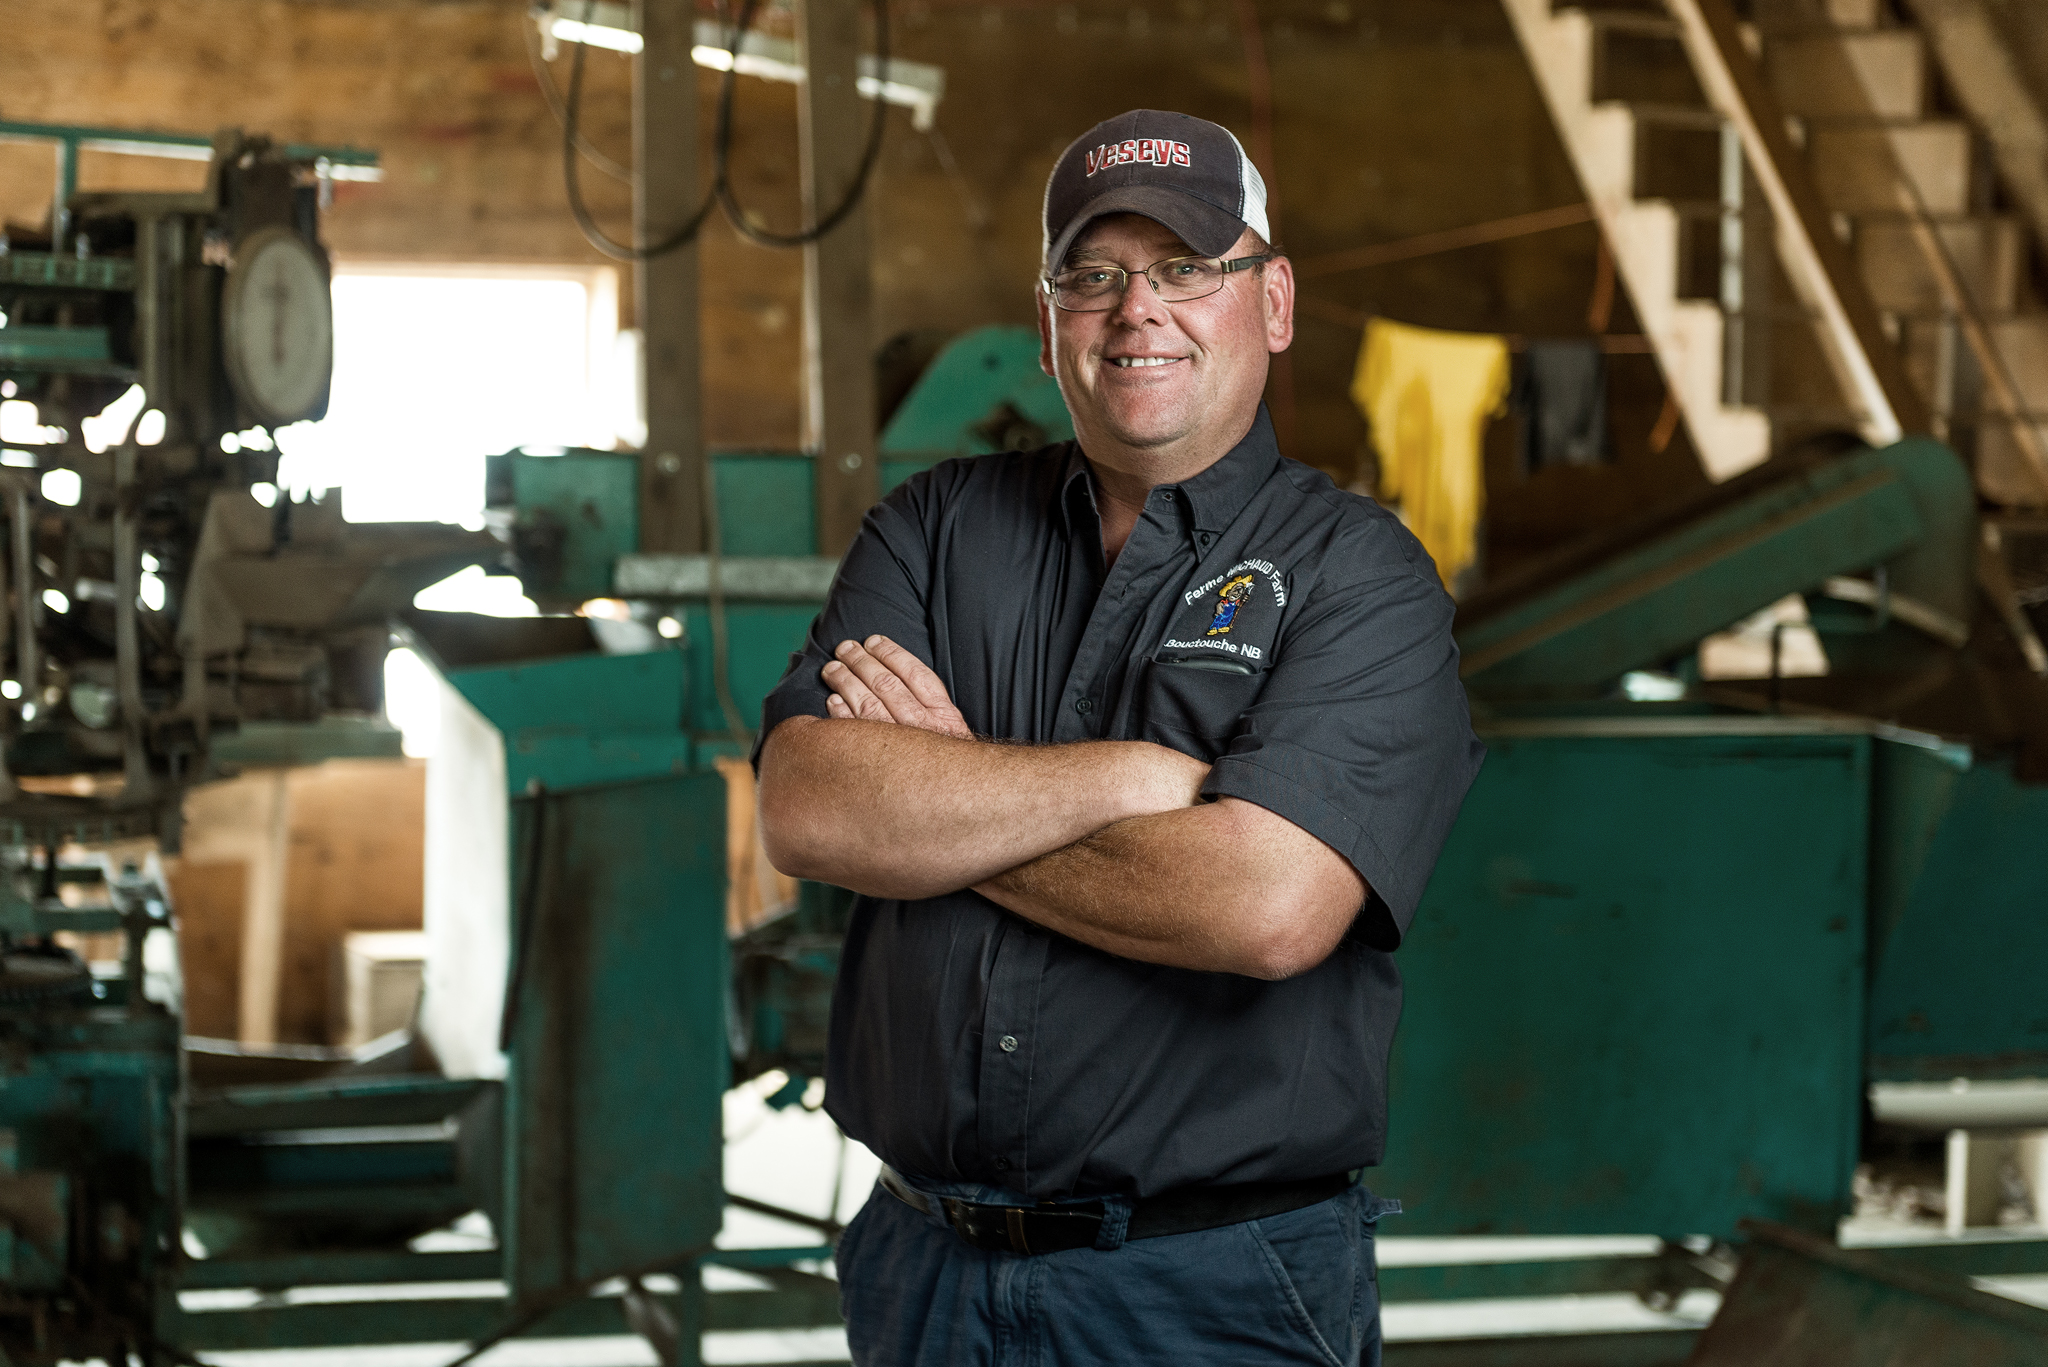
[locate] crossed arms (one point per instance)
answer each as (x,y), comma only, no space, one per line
(1107,842)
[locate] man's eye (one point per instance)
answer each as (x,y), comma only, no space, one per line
(1092,279)
(1186,269)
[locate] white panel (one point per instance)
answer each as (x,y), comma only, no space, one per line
(468,893)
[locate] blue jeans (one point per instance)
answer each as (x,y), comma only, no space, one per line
(1299,1288)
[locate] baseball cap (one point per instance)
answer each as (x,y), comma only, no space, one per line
(1186,173)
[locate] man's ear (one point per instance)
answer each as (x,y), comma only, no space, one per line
(1279,289)
(1045,333)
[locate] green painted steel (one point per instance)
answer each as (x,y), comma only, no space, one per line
(619,1059)
(894,472)
(765,503)
(577,512)
(400,1099)
(278,1271)
(1625,1348)
(87,1144)
(1667,1273)
(984,386)
(1982,1254)
(51,269)
(1799,1299)
(145,143)
(457,1319)
(276,744)
(762,637)
(1909,507)
(1959,938)
(574,512)
(1635,989)
(74,350)
(301,1176)
(584,720)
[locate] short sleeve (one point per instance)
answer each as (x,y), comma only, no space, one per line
(883,585)
(1362,737)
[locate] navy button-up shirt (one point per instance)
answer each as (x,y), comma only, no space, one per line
(1295,636)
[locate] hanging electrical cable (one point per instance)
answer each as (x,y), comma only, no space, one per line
(736,213)
(572,184)
(545,79)
(721,192)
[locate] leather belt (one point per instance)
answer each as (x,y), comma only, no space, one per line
(1052,1228)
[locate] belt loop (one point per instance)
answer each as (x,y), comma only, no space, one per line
(1116,1222)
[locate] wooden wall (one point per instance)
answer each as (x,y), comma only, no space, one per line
(279,865)
(1393,117)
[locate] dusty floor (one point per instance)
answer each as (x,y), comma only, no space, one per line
(795,1158)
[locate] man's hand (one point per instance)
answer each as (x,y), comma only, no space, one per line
(909,803)
(878,680)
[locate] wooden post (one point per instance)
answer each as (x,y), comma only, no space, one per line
(263,914)
(839,368)
(665,194)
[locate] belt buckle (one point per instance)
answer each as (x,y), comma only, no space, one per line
(960,1215)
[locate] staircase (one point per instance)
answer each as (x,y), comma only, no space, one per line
(1747,355)
(1604,131)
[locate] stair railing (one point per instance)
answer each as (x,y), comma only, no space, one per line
(1851,334)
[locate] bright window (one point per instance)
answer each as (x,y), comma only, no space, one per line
(436,367)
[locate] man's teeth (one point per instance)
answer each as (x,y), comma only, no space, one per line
(1129,361)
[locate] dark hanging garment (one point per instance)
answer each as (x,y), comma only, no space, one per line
(1560,395)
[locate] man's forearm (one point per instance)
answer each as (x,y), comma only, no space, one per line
(894,811)
(1226,887)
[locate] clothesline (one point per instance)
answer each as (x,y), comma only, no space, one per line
(1450,239)
(1614,344)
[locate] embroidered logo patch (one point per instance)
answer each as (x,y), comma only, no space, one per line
(1236,612)
(1229,599)
(1156,151)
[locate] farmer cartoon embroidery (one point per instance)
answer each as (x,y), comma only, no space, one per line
(1228,600)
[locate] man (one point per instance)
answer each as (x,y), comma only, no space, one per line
(1138,751)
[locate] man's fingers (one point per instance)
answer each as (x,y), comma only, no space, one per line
(889,683)
(835,706)
(883,682)
(918,676)
(854,695)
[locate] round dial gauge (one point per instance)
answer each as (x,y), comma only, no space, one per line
(277,321)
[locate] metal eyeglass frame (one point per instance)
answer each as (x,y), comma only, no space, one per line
(1230,267)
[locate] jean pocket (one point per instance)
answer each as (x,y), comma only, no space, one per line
(1316,1258)
(846,1263)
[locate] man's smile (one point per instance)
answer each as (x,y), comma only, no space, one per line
(1134,362)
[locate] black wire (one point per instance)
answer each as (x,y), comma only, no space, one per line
(877,122)
(572,186)
(525,914)
(721,192)
(546,80)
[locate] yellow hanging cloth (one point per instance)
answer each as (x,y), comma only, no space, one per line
(1428,395)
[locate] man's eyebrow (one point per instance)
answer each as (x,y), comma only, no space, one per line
(1087,256)
(1097,256)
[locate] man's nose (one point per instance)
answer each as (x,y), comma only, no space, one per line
(1140,302)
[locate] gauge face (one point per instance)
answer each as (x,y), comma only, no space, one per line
(277,320)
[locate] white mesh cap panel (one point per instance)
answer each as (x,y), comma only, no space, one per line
(1251,189)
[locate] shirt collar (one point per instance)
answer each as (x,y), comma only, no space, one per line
(1214,497)
(1218,494)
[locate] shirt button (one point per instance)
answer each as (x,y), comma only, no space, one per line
(1008,1044)
(1002,1165)
(1084,706)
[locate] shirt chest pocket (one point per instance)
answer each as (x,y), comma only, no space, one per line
(1194,705)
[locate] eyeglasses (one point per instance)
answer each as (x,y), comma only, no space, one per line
(1097,289)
